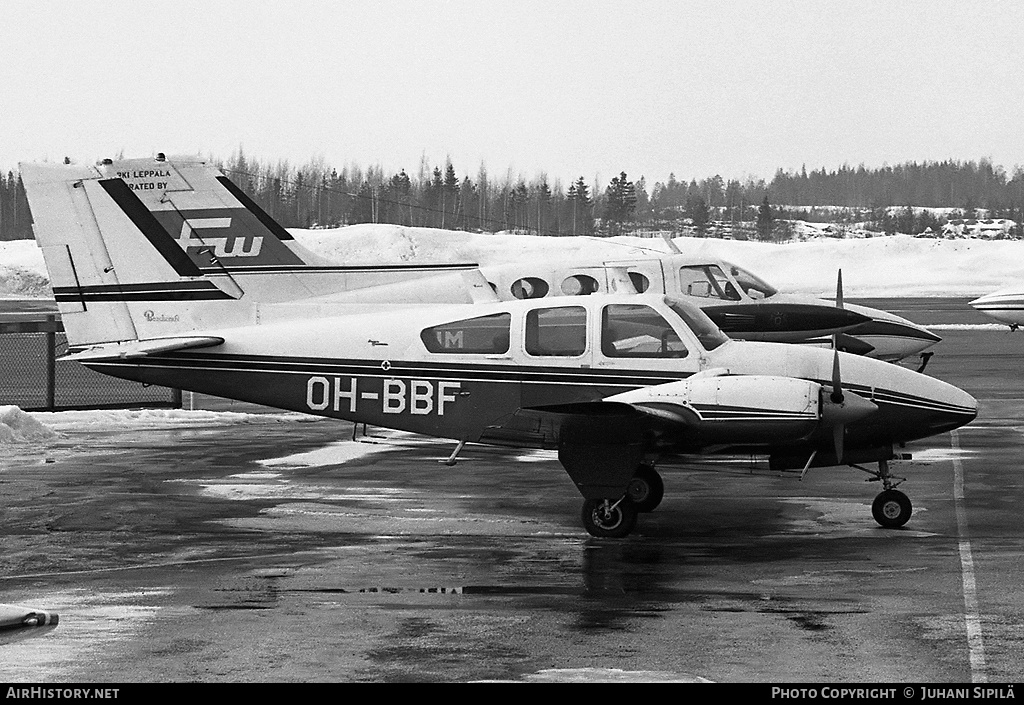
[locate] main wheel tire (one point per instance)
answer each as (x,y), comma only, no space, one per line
(606,519)
(646,489)
(891,509)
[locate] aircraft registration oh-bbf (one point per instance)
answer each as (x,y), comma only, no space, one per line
(612,382)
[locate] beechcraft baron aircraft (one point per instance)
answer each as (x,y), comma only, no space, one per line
(223,238)
(742,304)
(1005,305)
(613,382)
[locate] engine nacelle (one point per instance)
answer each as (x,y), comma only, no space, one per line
(735,410)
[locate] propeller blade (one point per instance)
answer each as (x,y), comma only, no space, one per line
(838,433)
(839,289)
(837,384)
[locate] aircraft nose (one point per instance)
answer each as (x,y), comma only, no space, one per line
(953,408)
(826,318)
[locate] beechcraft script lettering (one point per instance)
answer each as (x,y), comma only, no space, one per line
(222,245)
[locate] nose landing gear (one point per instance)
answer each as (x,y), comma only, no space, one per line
(891,508)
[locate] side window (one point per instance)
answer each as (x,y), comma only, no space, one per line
(693,281)
(640,282)
(580,285)
(529,288)
(486,334)
(556,331)
(636,330)
(706,281)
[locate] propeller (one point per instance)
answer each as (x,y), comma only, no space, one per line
(837,398)
(841,408)
(839,430)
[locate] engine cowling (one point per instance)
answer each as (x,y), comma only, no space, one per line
(746,409)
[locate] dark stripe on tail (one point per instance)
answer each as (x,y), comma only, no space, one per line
(154,232)
(269,223)
(154,291)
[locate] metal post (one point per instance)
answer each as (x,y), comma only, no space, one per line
(51,363)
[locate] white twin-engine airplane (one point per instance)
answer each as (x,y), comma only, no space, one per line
(613,382)
(739,302)
(1005,305)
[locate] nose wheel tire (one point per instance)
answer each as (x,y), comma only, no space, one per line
(607,518)
(646,489)
(891,509)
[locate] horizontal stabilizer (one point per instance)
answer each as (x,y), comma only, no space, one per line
(18,616)
(141,348)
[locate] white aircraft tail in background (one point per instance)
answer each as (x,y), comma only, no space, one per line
(132,246)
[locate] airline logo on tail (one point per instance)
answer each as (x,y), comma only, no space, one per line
(225,245)
(232,238)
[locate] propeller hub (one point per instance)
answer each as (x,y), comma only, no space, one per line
(851,407)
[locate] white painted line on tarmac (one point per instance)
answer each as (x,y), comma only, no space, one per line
(975,644)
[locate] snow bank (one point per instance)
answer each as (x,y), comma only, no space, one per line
(120,419)
(17,426)
(22,272)
(888,266)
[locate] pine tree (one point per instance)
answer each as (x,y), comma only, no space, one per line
(765,218)
(580,205)
(449,193)
(543,203)
(620,203)
(698,212)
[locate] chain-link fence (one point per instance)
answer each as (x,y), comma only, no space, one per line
(32,378)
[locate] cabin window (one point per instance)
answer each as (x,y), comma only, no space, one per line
(529,288)
(637,330)
(580,285)
(707,281)
(558,331)
(485,334)
(640,282)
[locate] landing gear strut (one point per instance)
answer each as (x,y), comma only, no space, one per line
(891,508)
(646,489)
(608,518)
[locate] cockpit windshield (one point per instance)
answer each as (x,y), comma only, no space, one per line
(708,334)
(752,285)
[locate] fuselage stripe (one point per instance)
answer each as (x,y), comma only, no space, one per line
(472,373)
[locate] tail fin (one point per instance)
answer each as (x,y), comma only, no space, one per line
(219,227)
(117,273)
(145,249)
(224,232)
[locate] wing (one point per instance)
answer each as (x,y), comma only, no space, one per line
(600,443)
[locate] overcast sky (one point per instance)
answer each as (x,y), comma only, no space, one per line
(592,88)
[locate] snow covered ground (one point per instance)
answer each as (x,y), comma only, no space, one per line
(895,266)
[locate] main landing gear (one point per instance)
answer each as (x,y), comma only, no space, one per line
(891,508)
(609,519)
(616,518)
